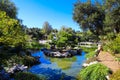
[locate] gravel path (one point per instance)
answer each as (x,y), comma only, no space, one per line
(108,60)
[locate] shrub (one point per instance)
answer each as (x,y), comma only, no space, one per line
(34,45)
(29,61)
(94,72)
(27,76)
(115,76)
(113,46)
(26,60)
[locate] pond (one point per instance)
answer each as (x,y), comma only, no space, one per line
(58,68)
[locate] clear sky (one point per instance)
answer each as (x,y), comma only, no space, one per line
(57,12)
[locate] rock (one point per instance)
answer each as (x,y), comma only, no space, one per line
(85,64)
(17,68)
(107,77)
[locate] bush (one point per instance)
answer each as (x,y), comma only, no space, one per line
(113,46)
(115,76)
(26,60)
(29,61)
(27,76)
(94,72)
(34,45)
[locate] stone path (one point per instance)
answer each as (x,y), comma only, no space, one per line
(108,60)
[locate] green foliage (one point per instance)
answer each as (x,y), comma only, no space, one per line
(88,50)
(66,37)
(89,16)
(9,7)
(90,54)
(101,17)
(11,33)
(34,45)
(28,76)
(94,72)
(115,76)
(29,61)
(26,60)
(35,33)
(47,28)
(112,18)
(114,45)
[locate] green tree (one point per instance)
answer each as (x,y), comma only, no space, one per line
(35,33)
(66,37)
(11,33)
(112,17)
(89,16)
(47,28)
(9,7)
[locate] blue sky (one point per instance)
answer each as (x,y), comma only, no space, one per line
(57,12)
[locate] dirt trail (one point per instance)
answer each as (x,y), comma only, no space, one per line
(108,60)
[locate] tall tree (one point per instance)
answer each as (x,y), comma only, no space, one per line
(112,17)
(9,7)
(89,16)
(47,28)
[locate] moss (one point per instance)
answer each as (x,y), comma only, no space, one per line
(115,76)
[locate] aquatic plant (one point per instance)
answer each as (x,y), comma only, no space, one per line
(64,63)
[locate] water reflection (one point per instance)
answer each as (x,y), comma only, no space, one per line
(50,73)
(42,58)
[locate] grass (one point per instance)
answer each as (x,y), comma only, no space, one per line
(64,63)
(87,50)
(90,54)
